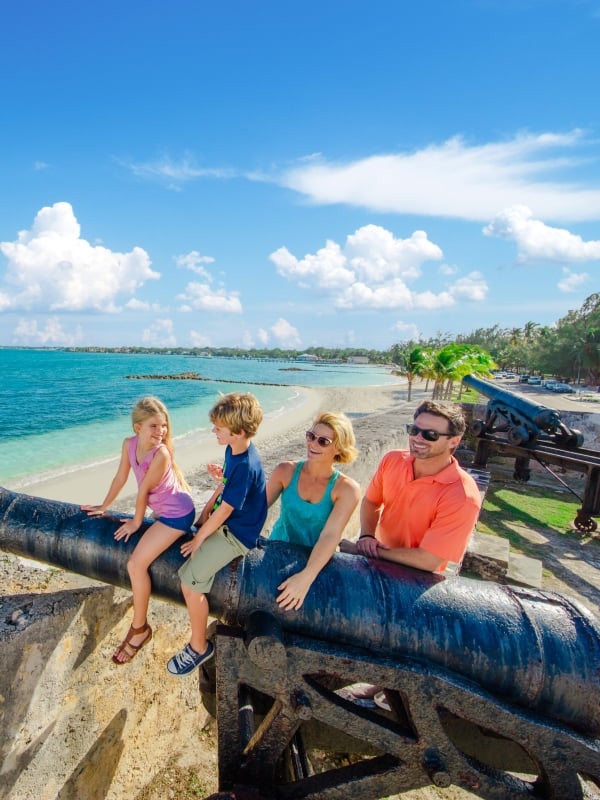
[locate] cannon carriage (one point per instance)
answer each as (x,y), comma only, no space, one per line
(492,688)
(514,426)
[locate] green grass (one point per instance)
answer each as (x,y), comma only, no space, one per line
(505,509)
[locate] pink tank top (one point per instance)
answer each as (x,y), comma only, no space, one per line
(167,499)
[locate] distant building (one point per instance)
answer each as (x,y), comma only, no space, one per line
(307,357)
(358,359)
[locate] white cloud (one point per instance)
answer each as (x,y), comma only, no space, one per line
(408,331)
(456,179)
(160,334)
(447,269)
(194,261)
(247,340)
(28,332)
(263,336)
(571,281)
(285,333)
(139,305)
(373,270)
(174,173)
(536,240)
(52,267)
(327,267)
(471,287)
(199,339)
(200,297)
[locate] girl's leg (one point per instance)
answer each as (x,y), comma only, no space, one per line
(153,542)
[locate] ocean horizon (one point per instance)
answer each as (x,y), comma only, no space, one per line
(63,409)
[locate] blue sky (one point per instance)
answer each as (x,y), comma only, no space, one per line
(284,174)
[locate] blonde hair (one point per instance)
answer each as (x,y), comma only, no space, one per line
(238,411)
(151,407)
(343,435)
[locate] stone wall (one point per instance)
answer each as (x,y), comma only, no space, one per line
(74,726)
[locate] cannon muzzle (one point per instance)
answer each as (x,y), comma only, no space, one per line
(535,649)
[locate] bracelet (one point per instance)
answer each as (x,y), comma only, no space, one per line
(367,536)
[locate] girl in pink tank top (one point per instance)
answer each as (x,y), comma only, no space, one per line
(162,488)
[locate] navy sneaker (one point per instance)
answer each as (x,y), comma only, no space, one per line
(186,660)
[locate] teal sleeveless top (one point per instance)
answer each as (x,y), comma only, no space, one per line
(301,522)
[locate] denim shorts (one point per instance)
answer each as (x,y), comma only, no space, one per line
(179,523)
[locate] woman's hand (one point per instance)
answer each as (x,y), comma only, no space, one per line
(293,591)
(128,528)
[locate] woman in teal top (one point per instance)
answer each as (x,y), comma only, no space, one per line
(316,500)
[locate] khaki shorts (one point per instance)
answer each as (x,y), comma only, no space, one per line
(221,547)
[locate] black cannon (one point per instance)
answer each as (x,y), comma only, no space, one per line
(492,688)
(522,421)
(515,426)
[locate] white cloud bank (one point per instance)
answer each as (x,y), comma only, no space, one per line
(29,332)
(373,270)
(50,267)
(457,180)
(537,241)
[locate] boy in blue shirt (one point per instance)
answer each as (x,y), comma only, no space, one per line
(229,524)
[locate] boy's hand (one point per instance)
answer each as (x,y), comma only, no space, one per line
(215,471)
(189,548)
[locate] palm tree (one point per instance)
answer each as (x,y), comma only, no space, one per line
(416,363)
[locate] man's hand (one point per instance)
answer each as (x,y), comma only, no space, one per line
(367,546)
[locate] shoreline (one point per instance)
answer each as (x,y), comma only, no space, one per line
(280,433)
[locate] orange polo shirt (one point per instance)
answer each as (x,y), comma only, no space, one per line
(436,512)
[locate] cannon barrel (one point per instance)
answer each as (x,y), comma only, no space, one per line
(521,420)
(536,649)
(546,419)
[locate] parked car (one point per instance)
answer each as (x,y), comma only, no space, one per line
(550,385)
(534,381)
(564,388)
(523,378)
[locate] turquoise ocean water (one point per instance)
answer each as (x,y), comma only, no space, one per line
(62,409)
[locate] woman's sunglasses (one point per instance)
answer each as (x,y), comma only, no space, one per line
(323,441)
(427,433)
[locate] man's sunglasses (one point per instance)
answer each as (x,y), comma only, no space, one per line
(427,433)
(322,440)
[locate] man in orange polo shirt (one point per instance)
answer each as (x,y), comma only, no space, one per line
(419,509)
(420,506)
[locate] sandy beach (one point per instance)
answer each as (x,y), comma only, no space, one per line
(280,437)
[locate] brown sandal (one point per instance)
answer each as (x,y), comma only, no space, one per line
(126,648)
